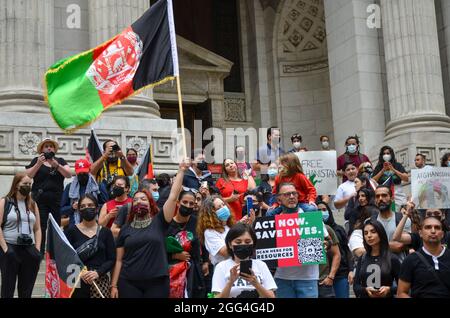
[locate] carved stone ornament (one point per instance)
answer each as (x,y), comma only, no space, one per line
(28,143)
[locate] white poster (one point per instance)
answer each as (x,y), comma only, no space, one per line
(320,167)
(430,188)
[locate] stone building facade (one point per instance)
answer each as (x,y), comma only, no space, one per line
(308,66)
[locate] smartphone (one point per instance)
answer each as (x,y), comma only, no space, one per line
(249,204)
(115,147)
(245,266)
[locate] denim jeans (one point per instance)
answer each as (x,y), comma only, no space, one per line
(297,288)
(341,287)
(307,207)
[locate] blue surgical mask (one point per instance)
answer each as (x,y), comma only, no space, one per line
(325,215)
(223,213)
(155,195)
(351,148)
(272,173)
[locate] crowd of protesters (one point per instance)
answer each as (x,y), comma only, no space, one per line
(189,236)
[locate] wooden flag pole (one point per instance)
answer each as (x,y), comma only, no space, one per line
(77,281)
(98,289)
(180,104)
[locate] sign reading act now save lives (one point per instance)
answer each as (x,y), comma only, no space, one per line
(290,239)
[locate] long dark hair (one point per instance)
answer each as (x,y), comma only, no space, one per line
(444,158)
(385,254)
(237,230)
(380,156)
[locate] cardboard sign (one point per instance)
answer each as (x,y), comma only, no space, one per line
(320,167)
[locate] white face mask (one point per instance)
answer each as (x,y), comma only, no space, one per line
(351,148)
(297,144)
(387,158)
(325,144)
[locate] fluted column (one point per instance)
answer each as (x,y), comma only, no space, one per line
(26,51)
(108,18)
(414,75)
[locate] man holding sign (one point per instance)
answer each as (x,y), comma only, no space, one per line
(297,274)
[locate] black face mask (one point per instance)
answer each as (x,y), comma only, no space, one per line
(202,165)
(88,214)
(185,211)
(384,206)
(243,251)
(117,192)
(24,190)
(83,178)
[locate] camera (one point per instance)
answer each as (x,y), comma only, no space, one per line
(24,239)
(49,155)
(115,147)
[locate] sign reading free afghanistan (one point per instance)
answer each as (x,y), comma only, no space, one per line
(290,239)
(430,187)
(320,167)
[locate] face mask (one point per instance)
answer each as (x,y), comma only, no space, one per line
(325,144)
(185,211)
(83,178)
(272,173)
(240,155)
(223,214)
(155,195)
(351,148)
(88,214)
(202,165)
(289,210)
(384,206)
(297,144)
(325,216)
(24,190)
(140,209)
(448,164)
(243,251)
(132,159)
(117,191)
(387,158)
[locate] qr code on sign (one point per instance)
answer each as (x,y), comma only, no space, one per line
(310,250)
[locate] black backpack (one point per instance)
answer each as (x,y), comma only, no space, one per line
(7,208)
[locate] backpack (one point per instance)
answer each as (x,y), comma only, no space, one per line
(7,208)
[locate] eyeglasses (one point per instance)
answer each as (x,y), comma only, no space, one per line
(289,194)
(433,213)
(367,221)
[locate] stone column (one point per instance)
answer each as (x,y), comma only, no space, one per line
(355,74)
(26,51)
(107,19)
(414,75)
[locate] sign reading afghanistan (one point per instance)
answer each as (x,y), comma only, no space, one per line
(290,239)
(430,188)
(320,167)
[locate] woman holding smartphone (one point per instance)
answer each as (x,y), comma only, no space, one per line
(240,276)
(378,267)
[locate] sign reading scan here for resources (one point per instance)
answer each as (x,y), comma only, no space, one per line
(290,239)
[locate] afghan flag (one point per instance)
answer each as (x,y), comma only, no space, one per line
(293,239)
(93,149)
(81,87)
(145,170)
(63,266)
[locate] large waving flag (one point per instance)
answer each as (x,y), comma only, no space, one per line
(81,87)
(63,266)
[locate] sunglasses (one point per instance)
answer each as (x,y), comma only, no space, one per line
(289,194)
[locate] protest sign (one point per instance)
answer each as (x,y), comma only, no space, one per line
(429,188)
(320,167)
(290,239)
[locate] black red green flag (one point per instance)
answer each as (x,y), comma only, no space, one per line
(79,88)
(145,170)
(93,149)
(63,266)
